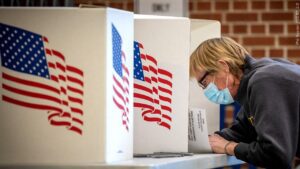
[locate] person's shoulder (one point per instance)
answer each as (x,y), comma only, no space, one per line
(276,69)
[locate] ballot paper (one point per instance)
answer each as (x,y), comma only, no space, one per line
(198,135)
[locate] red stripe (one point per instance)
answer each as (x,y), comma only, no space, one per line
(58,54)
(154,89)
(167,117)
(66,114)
(75,70)
(154,79)
(123,55)
(145,68)
(141,96)
(167,108)
(152,59)
(60,66)
(30,105)
(151,119)
(53,115)
(125,69)
(125,80)
(118,105)
(156,101)
(118,83)
(165,81)
(77,120)
(165,90)
(142,105)
(118,94)
(65,103)
(152,69)
(141,87)
(62,89)
(76,110)
(74,99)
(45,39)
(48,51)
(141,45)
(61,77)
(59,123)
(165,72)
(75,90)
(147,79)
(29,83)
(166,99)
(76,129)
(31,94)
(51,65)
(143,56)
(75,80)
(54,78)
(166,125)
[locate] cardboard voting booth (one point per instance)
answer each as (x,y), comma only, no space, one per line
(202,30)
(66,85)
(161,61)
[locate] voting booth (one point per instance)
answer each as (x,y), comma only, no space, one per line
(66,85)
(161,75)
(202,30)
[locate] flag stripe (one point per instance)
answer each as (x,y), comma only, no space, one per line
(77,110)
(164,72)
(161,80)
(58,54)
(30,105)
(74,70)
(75,90)
(75,80)
(30,94)
(164,90)
(29,83)
(141,87)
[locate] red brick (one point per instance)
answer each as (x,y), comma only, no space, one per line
(278,16)
(287,41)
(292,28)
(258,53)
(204,6)
(225,28)
(236,17)
(240,29)
(293,53)
(276,4)
(258,5)
(257,28)
(258,41)
(207,16)
(276,53)
(276,28)
(294,4)
(222,5)
(118,5)
(130,6)
(191,6)
(240,5)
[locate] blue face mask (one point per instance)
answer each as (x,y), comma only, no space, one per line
(218,96)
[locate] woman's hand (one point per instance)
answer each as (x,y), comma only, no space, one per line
(218,144)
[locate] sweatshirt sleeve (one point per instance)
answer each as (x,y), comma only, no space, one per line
(240,131)
(275,106)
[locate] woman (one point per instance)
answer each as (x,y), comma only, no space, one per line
(266,130)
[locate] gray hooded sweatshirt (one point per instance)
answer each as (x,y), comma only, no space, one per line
(267,126)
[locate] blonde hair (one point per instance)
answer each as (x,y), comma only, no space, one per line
(209,52)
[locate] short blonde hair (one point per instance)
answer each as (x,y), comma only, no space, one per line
(209,52)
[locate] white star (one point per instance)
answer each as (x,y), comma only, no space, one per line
(26,65)
(24,34)
(12,35)
(30,49)
(17,41)
(14,66)
(33,67)
(18,63)
(35,55)
(32,58)
(14,44)
(39,74)
(28,40)
(22,68)
(9,38)
(2,45)
(5,41)
(21,59)
(20,37)
(32,36)
(30,71)
(29,62)
(22,47)
(5,64)
(16,31)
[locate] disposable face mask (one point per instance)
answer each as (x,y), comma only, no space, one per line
(218,96)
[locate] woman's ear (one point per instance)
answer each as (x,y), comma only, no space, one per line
(223,65)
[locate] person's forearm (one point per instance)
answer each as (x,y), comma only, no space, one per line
(230,148)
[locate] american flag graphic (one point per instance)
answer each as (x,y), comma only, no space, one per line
(34,76)
(120,77)
(152,88)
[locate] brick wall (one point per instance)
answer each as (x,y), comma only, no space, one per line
(264,27)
